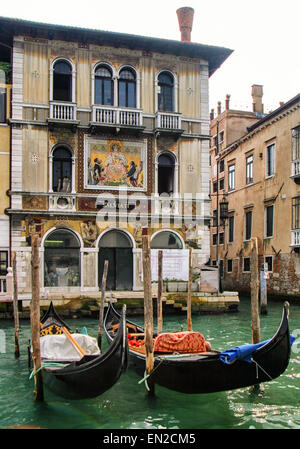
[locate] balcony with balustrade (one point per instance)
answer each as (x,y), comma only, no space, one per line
(295,167)
(117,117)
(295,172)
(168,123)
(295,238)
(63,113)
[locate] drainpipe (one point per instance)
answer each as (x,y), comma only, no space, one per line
(217,248)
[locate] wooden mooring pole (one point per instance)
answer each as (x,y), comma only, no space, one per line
(159,293)
(35,319)
(101,312)
(255,319)
(148,312)
(263,289)
(15,305)
(189,297)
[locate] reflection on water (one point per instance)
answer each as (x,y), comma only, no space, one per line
(125,406)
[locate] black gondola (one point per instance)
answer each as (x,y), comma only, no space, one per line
(93,374)
(205,372)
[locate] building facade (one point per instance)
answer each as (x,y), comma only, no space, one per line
(5,95)
(256,179)
(109,137)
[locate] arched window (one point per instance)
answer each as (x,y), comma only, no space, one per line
(62,170)
(62,259)
(166,89)
(127,88)
(104,90)
(166,240)
(62,81)
(165,175)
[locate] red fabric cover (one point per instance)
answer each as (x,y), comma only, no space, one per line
(182,342)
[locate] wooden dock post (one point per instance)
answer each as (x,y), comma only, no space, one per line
(263,290)
(159,293)
(35,319)
(15,305)
(189,297)
(148,312)
(101,312)
(255,319)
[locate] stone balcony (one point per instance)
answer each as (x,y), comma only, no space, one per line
(63,111)
(116,116)
(295,169)
(295,238)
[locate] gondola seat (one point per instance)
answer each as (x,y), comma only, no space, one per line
(181,342)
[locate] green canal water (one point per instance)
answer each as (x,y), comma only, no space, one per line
(125,406)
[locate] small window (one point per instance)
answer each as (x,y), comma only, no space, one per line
(221,238)
(249,169)
(296,212)
(230,228)
(248,225)
(215,236)
(269,261)
(214,170)
(246,266)
(229,265)
(221,166)
(3,263)
(215,187)
(270,160)
(296,144)
(221,136)
(215,218)
(231,177)
(2,105)
(221,184)
(214,263)
(269,220)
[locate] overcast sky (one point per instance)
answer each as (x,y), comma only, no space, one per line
(264,35)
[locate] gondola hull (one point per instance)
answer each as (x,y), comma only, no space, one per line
(93,374)
(206,373)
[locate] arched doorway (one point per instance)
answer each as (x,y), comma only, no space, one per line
(166,174)
(62,259)
(116,247)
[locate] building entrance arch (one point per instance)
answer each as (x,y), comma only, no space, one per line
(116,247)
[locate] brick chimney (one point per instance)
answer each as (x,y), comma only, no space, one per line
(227,102)
(257,94)
(212,114)
(185,19)
(219,107)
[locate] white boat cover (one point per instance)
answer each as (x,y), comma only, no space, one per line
(59,347)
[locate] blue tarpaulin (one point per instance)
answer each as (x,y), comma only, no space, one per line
(244,352)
